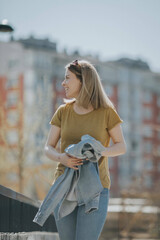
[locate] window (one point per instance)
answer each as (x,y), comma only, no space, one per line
(134,144)
(42,61)
(158,166)
(148,148)
(12,137)
(147,97)
(159,134)
(158,151)
(12,99)
(12,82)
(13,63)
(59,101)
(148,181)
(158,117)
(147,111)
(158,101)
(147,131)
(29,97)
(109,90)
(12,118)
(58,85)
(148,164)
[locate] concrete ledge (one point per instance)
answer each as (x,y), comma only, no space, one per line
(18,196)
(29,236)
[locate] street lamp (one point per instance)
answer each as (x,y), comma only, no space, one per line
(5,27)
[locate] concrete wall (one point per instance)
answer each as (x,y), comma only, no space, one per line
(29,236)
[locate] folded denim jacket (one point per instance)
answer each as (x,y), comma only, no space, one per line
(75,187)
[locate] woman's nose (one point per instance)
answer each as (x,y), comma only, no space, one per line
(63,83)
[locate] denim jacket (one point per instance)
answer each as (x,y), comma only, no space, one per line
(75,187)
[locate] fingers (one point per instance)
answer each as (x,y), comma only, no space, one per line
(75,168)
(74,158)
(75,162)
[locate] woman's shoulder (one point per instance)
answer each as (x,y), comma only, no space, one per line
(106,109)
(65,106)
(62,106)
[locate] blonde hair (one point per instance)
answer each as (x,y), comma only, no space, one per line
(92,91)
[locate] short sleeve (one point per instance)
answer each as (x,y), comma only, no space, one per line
(113,118)
(57,117)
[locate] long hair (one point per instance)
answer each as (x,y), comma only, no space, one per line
(92,91)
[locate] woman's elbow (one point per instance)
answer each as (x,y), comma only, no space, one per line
(124,148)
(45,149)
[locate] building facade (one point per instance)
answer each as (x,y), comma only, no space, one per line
(31,73)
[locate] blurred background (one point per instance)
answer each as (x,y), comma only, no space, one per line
(122,39)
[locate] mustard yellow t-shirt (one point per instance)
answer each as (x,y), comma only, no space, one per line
(95,123)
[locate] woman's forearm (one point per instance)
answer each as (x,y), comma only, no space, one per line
(114,150)
(52,153)
(63,158)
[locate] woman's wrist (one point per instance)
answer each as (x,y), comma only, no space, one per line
(60,157)
(104,153)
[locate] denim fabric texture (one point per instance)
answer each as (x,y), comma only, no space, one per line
(75,187)
(88,147)
(81,226)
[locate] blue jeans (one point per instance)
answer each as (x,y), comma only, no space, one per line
(78,225)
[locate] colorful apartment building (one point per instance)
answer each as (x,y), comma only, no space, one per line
(32,68)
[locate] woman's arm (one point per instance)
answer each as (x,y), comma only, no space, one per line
(51,152)
(119,146)
(52,140)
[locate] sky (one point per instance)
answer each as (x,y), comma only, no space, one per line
(110,29)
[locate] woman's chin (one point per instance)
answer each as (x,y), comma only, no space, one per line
(69,96)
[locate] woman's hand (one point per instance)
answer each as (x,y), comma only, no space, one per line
(69,161)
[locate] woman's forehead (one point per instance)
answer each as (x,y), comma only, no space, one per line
(68,72)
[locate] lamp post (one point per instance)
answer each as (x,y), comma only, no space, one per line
(5,27)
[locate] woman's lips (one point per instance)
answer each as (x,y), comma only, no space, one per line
(66,89)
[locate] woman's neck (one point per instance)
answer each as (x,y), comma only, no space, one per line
(81,110)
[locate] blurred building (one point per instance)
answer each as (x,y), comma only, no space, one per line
(135,90)
(31,72)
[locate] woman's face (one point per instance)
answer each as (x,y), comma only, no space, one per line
(71,84)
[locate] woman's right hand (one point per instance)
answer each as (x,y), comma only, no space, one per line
(71,162)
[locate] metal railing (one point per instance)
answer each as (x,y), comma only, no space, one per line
(17,212)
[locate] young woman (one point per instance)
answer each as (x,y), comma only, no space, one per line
(88,112)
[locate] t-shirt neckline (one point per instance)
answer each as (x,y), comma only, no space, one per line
(78,114)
